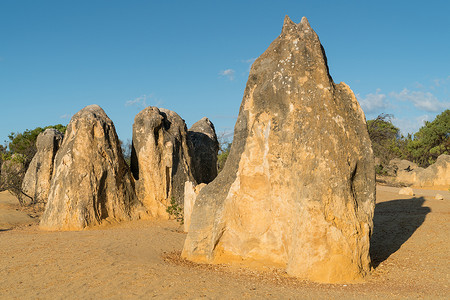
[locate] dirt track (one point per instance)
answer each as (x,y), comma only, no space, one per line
(410,249)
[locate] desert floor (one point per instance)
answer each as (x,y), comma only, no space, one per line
(410,249)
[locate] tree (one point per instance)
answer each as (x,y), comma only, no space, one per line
(17,157)
(25,143)
(2,153)
(432,140)
(126,150)
(224,149)
(12,173)
(387,143)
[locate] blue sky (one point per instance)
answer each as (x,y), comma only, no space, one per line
(193,57)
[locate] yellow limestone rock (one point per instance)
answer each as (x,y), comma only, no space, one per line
(298,189)
(190,194)
(91,181)
(160,159)
(37,180)
(437,174)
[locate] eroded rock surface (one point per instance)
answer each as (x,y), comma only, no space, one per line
(160,159)
(298,188)
(438,174)
(205,147)
(191,192)
(399,165)
(91,180)
(38,177)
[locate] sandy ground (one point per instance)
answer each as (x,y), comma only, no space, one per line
(410,249)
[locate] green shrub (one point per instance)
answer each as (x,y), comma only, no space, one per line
(175,210)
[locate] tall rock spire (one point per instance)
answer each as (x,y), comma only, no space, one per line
(298,188)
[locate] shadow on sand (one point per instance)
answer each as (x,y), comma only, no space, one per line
(394,223)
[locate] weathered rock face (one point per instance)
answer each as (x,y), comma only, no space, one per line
(160,160)
(398,165)
(438,174)
(298,188)
(205,147)
(36,182)
(91,180)
(190,194)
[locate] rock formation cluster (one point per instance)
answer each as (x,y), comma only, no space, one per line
(298,188)
(297,191)
(85,180)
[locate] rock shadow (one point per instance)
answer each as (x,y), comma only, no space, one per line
(203,170)
(395,222)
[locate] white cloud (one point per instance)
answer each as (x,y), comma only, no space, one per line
(437,82)
(65,116)
(418,85)
(440,82)
(139,101)
(249,62)
(228,73)
(226,134)
(373,102)
(142,101)
(410,125)
(421,119)
(422,100)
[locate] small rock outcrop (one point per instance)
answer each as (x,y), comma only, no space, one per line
(205,147)
(36,183)
(91,180)
(437,174)
(160,159)
(298,188)
(397,166)
(406,191)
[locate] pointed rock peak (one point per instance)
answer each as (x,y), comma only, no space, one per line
(288,21)
(305,23)
(288,24)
